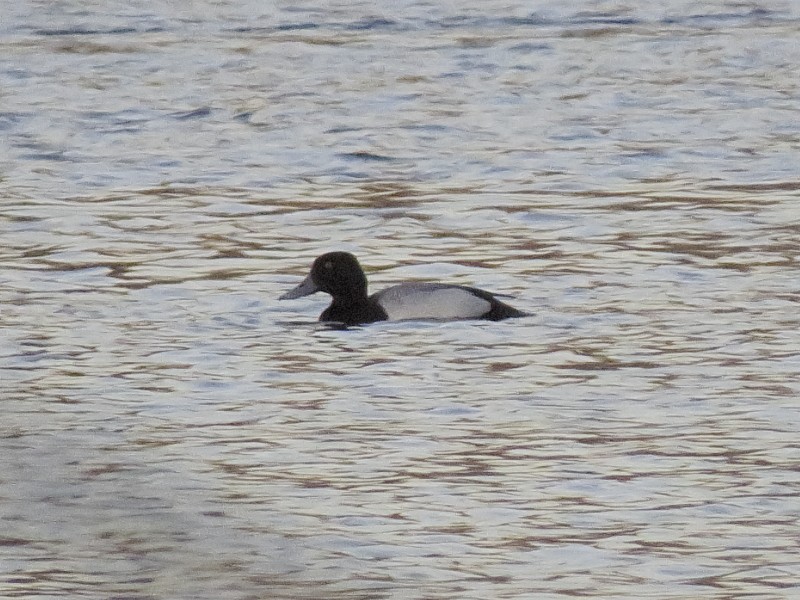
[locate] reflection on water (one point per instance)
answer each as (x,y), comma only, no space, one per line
(628,175)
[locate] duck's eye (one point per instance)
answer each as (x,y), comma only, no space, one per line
(328,265)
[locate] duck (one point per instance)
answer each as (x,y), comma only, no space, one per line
(340,275)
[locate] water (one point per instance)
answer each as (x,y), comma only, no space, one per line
(628,174)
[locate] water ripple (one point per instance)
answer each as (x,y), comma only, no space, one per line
(626,174)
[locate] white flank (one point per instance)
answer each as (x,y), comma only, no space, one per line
(430,301)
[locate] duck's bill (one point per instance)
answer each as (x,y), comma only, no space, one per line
(306,288)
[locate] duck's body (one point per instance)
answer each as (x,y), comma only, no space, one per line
(340,275)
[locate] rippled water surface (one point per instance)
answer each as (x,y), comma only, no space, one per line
(628,174)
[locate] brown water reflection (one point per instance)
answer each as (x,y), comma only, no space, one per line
(170,431)
(639,431)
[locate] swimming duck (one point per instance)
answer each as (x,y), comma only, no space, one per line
(340,275)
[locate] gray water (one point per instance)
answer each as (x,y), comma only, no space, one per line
(628,174)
